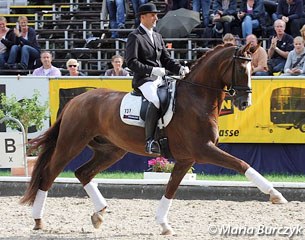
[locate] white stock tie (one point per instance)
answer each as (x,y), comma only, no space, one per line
(151,37)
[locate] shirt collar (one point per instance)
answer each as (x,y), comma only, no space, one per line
(149,32)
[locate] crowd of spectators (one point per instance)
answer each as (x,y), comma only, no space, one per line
(235,21)
(250,20)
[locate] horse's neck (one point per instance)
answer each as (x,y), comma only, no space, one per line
(214,68)
(204,100)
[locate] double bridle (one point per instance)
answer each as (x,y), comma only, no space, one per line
(234,87)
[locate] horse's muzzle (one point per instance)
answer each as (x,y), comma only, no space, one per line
(242,102)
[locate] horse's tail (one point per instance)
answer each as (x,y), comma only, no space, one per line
(45,143)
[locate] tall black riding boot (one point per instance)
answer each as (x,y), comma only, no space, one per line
(152,116)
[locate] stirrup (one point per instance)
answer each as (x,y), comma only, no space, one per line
(153,147)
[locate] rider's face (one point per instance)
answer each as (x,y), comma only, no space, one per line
(149,20)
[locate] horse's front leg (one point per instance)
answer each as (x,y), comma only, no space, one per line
(179,171)
(265,186)
(214,155)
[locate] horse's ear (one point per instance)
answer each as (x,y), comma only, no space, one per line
(253,49)
(247,48)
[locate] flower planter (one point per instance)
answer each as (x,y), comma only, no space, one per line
(162,175)
(20,171)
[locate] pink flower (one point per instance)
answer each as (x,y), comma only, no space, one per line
(160,164)
(152,162)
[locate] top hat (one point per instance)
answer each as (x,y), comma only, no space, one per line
(147,8)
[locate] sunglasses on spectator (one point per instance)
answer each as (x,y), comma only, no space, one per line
(72,65)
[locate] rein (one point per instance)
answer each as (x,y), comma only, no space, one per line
(202,85)
(232,90)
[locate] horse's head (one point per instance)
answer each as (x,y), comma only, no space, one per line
(225,68)
(240,87)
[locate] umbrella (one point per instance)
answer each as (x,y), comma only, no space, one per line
(178,23)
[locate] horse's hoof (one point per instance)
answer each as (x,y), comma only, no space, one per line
(166,229)
(276,197)
(38,224)
(97,219)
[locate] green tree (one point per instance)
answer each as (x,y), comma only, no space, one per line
(29,111)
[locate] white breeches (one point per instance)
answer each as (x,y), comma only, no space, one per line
(149,91)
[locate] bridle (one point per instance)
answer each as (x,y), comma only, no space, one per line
(234,87)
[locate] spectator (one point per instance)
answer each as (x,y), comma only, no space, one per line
(176,4)
(116,11)
(270,8)
(302,31)
(117,70)
(279,47)
(291,12)
(72,66)
(259,57)
(26,46)
(252,16)
(204,5)
(135,6)
(296,58)
(47,69)
(8,38)
(229,38)
(223,15)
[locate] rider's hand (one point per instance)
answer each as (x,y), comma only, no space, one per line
(158,71)
(184,70)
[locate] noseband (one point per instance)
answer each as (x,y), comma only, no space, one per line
(233,88)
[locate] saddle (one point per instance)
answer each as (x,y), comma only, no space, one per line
(164,97)
(134,105)
(133,111)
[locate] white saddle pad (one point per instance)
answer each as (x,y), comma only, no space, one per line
(131,106)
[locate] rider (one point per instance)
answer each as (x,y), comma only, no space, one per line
(147,57)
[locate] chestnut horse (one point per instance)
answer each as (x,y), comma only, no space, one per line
(92,119)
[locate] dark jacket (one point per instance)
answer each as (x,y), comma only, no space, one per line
(286,44)
(79,74)
(31,41)
(295,11)
(142,55)
(258,9)
(232,10)
(10,39)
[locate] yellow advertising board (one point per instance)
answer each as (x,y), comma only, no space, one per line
(63,89)
(277,114)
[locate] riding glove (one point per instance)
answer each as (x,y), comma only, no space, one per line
(158,71)
(184,70)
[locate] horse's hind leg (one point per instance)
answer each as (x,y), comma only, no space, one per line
(179,171)
(60,158)
(216,156)
(105,155)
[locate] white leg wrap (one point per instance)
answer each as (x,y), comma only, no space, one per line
(39,204)
(97,198)
(162,210)
(262,183)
